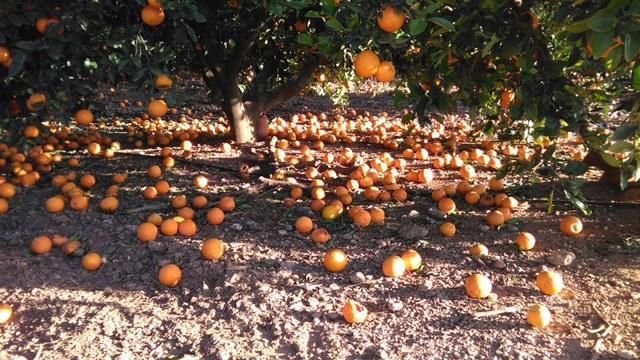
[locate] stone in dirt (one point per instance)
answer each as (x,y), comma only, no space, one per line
(357,278)
(412,232)
(394,305)
(561,258)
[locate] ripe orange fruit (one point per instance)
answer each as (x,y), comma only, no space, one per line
(317,193)
(569,225)
(215,216)
(163,187)
(41,245)
(70,247)
(472,197)
(399,195)
(478,286)
(386,72)
(212,249)
(154,171)
(5,313)
(366,64)
(495,218)
(525,241)
(320,236)
(538,316)
(438,194)
(391,19)
(186,212)
(362,218)
(377,216)
(335,260)
(147,232)
(4,206)
(300,26)
(509,203)
(353,312)
(155,219)
(35,101)
(31,132)
(393,266)
(170,275)
(496,184)
(478,250)
(79,203)
(109,204)
(84,117)
(119,178)
(7,190)
(4,54)
(87,181)
(150,193)
(169,227)
(412,260)
(163,82)
(330,212)
(199,201)
(55,204)
(187,227)
(152,16)
(304,225)
(200,181)
(448,229)
(227,204)
(179,201)
(447,206)
(59,240)
(317,205)
(92,261)
(93,148)
(549,282)
(296,193)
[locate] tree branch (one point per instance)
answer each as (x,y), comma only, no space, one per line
(242,49)
(289,89)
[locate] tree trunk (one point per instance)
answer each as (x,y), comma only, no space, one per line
(243,121)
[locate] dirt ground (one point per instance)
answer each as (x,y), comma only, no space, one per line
(270,297)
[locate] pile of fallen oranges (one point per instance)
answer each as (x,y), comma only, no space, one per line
(341,185)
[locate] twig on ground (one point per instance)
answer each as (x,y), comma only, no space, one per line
(506,310)
(280,182)
(145,208)
(589,202)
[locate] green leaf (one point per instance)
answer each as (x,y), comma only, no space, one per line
(16,65)
(276,8)
(635,78)
(600,42)
(625,132)
(575,168)
(417,26)
(577,27)
(616,5)
(305,39)
(312,14)
(578,201)
(431,8)
(631,45)
(442,22)
(354,22)
(329,7)
(487,48)
(28,45)
(334,24)
(603,20)
(621,146)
